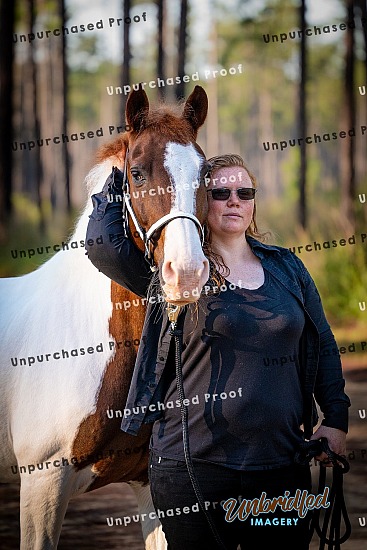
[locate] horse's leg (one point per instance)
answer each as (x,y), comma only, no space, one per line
(44,498)
(152,528)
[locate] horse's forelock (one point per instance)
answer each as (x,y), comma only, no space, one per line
(168,122)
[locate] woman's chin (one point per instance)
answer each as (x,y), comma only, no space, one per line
(230,229)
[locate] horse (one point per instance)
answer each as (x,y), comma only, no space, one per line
(68,354)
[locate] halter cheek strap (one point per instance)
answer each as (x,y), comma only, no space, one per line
(147,236)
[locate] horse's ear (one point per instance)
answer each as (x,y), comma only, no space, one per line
(196,108)
(137,108)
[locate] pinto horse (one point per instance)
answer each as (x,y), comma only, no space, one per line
(68,354)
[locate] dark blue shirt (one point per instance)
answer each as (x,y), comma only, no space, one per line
(241,375)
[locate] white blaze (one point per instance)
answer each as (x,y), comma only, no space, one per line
(183,163)
(184,261)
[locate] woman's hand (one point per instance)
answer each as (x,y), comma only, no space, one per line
(336,440)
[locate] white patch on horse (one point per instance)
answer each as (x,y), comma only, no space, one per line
(183,163)
(151,526)
(65,304)
(184,262)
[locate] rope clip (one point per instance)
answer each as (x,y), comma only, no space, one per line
(173,313)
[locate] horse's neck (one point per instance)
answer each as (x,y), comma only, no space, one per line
(97,176)
(73,264)
(94,182)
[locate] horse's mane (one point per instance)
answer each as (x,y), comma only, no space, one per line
(98,175)
(168,121)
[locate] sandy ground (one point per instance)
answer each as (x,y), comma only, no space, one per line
(85,525)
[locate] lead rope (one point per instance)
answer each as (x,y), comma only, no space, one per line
(177,334)
(337,508)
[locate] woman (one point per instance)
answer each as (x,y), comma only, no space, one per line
(249,357)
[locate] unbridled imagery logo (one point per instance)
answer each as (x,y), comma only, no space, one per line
(302,502)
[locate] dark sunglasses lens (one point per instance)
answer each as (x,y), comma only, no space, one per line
(246,194)
(220,194)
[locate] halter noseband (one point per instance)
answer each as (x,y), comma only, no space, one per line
(147,236)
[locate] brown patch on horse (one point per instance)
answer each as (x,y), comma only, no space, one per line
(99,434)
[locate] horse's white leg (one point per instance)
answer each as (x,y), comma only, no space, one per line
(152,528)
(44,498)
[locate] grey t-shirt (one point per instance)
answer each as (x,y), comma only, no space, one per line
(241,377)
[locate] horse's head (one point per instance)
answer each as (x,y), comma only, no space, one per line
(165,171)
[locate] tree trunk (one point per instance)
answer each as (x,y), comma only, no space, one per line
(64,113)
(266,127)
(361,157)
(7,12)
(348,146)
(48,105)
(303,119)
(160,52)
(182,45)
(36,176)
(212,123)
(125,72)
(363,7)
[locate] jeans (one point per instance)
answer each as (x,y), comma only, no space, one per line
(186,527)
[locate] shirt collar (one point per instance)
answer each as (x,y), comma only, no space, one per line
(261,247)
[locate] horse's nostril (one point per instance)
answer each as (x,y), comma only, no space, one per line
(203,269)
(167,267)
(170,273)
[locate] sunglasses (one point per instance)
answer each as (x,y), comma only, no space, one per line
(223,194)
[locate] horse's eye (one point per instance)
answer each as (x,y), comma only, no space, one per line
(138,177)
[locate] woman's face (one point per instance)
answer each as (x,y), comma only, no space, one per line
(232,216)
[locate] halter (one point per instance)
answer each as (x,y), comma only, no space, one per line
(147,236)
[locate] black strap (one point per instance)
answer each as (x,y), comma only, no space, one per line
(329,533)
(177,333)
